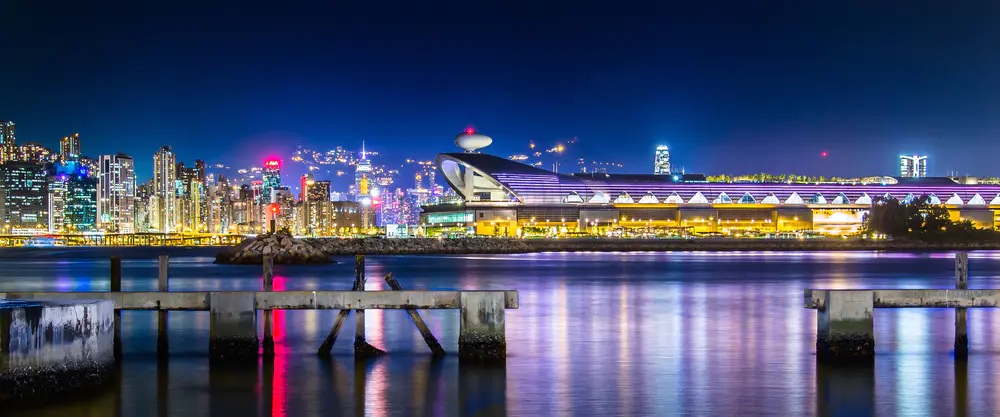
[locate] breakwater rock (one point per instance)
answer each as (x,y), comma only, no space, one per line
(321,249)
(285,249)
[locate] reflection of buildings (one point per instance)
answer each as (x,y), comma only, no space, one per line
(912,166)
(503,195)
(116,194)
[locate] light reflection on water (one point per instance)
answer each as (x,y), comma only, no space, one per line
(692,333)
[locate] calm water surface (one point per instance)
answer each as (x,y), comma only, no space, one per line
(597,334)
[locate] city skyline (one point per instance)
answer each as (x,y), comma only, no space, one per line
(767,87)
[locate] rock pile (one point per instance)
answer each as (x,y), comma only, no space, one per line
(285,249)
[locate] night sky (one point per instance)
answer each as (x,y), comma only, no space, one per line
(730,86)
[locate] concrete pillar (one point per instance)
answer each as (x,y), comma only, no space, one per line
(845,331)
(481,334)
(233,327)
(52,349)
(162,344)
(961,316)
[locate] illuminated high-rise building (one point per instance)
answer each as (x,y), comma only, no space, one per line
(272,180)
(191,195)
(912,166)
(72,200)
(8,141)
(23,198)
(661,161)
(69,147)
(116,194)
(304,185)
(163,215)
(362,176)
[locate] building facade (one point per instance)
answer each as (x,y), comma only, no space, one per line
(24,207)
(163,202)
(912,166)
(502,197)
(8,141)
(661,161)
(116,194)
(69,147)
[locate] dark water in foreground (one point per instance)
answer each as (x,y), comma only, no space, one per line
(597,334)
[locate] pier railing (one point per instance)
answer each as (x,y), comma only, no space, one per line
(845,318)
(233,320)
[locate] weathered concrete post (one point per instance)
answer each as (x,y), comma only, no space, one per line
(51,349)
(481,333)
(361,346)
(961,316)
(845,329)
(232,327)
(116,286)
(268,284)
(417,320)
(162,344)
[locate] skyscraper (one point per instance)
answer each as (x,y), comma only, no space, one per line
(661,161)
(116,194)
(69,147)
(8,141)
(912,166)
(362,175)
(24,197)
(164,200)
(272,180)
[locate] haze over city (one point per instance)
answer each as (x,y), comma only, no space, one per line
(731,88)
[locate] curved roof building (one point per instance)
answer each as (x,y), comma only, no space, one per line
(508,181)
(499,190)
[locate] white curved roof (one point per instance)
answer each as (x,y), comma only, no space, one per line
(770,199)
(649,198)
(699,198)
(624,198)
(723,198)
(673,198)
(600,198)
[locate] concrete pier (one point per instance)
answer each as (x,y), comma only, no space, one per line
(233,327)
(845,327)
(481,333)
(51,350)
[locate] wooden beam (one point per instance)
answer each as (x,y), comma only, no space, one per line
(418,321)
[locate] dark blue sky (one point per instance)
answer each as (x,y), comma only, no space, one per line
(730,86)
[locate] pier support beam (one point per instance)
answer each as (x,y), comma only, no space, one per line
(481,334)
(361,347)
(116,286)
(845,329)
(162,343)
(268,285)
(961,315)
(233,327)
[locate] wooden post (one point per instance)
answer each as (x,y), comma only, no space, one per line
(961,325)
(331,338)
(268,279)
(162,344)
(116,286)
(361,346)
(417,320)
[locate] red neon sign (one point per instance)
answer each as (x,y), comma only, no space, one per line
(272,163)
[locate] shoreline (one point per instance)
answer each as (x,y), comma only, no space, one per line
(342,247)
